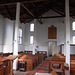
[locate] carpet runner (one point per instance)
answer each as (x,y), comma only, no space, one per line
(40,69)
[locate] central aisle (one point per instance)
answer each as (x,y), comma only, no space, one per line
(42,68)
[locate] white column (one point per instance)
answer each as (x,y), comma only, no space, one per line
(64,36)
(65,49)
(67,21)
(17,22)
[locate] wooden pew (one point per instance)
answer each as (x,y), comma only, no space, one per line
(29,63)
(33,60)
(28,56)
(72,64)
(66,73)
(37,60)
(28,52)
(7,54)
(29,59)
(58,57)
(1,68)
(58,64)
(20,55)
(54,73)
(20,52)
(1,54)
(43,52)
(41,57)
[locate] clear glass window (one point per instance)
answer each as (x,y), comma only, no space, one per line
(73,39)
(73,26)
(31,39)
(32,27)
(20,36)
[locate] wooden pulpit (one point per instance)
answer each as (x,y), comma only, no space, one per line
(11,58)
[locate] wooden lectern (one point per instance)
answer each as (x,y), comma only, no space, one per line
(11,58)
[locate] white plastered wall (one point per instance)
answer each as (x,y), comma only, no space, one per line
(7,27)
(42,32)
(1,32)
(7,35)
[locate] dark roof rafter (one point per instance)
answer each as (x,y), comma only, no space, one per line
(58,12)
(9,2)
(44,17)
(35,9)
(6,8)
(30,12)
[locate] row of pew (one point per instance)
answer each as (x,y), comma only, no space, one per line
(32,61)
(58,58)
(41,52)
(58,66)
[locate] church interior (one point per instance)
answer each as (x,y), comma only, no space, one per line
(37,37)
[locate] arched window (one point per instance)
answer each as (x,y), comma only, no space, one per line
(20,36)
(31,39)
(73,25)
(73,39)
(32,27)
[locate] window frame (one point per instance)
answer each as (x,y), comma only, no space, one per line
(73,40)
(73,27)
(20,37)
(30,40)
(32,29)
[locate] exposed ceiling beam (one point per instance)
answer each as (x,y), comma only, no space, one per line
(35,7)
(27,9)
(63,1)
(30,12)
(40,21)
(48,7)
(57,12)
(72,12)
(9,2)
(25,12)
(6,8)
(47,17)
(44,17)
